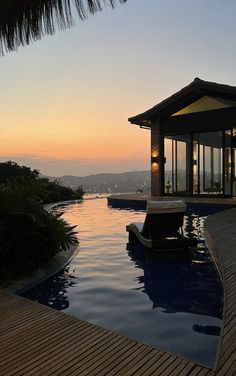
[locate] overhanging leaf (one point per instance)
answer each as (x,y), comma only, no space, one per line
(24,21)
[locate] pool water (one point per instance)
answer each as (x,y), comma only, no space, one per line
(171,303)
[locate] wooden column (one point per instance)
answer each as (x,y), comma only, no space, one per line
(157,160)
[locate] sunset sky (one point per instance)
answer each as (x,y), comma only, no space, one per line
(65,100)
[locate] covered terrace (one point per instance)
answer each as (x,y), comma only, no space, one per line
(193,141)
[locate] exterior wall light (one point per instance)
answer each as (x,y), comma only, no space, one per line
(155,159)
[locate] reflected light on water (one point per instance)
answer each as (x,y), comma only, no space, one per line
(175,304)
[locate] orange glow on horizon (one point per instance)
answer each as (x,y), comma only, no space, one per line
(91,141)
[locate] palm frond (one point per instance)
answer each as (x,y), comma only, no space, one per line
(24,21)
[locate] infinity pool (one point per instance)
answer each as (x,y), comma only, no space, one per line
(167,303)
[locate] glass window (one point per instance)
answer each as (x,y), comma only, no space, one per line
(208,181)
(181,166)
(168,166)
(227,164)
(234,163)
(199,164)
(195,167)
(177,166)
(210,163)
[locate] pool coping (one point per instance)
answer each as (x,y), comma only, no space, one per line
(139,201)
(54,266)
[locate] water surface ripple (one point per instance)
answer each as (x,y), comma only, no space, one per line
(172,304)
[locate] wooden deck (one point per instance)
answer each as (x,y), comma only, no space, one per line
(221,238)
(37,340)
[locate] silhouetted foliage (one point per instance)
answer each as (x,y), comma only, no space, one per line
(29,234)
(80,191)
(47,191)
(9,170)
(53,192)
(24,21)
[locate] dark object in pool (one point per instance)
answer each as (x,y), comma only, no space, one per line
(162,228)
(207,329)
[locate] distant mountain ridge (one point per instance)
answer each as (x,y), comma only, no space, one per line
(109,182)
(127,182)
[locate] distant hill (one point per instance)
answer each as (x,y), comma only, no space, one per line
(109,183)
(126,182)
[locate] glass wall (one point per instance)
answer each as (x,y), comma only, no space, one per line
(195,167)
(181,163)
(177,165)
(228,163)
(233,165)
(200,163)
(211,166)
(168,145)
(200,170)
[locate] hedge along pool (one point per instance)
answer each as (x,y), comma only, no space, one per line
(168,303)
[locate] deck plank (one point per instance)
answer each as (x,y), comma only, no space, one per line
(37,340)
(60,350)
(150,368)
(221,228)
(37,349)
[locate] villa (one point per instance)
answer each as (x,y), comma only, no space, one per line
(193,141)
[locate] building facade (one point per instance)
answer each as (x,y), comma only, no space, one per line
(193,141)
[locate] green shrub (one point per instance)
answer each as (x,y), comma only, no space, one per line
(29,235)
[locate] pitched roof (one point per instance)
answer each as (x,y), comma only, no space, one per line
(195,90)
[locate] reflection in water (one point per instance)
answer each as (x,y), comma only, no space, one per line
(173,304)
(53,292)
(178,285)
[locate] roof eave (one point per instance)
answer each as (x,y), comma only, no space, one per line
(156,110)
(196,89)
